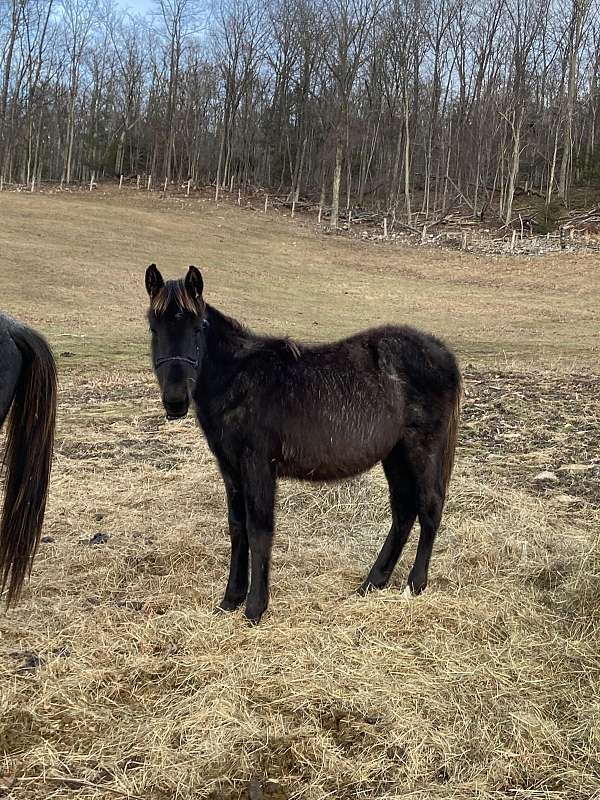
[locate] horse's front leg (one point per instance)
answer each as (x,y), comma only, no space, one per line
(259,496)
(237,585)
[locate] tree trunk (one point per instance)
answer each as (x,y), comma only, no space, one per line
(337,175)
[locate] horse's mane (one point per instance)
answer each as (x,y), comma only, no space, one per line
(244,342)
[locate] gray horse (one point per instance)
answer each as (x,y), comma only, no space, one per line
(28,402)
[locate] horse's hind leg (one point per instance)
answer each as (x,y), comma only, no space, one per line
(404,512)
(427,468)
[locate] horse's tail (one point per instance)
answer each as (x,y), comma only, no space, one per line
(451,436)
(28,459)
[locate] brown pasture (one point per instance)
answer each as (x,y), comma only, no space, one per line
(115,678)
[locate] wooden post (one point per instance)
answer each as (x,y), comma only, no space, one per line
(512,242)
(464,241)
(138,181)
(121,182)
(385,227)
(239,196)
(92,181)
(165,186)
(424,234)
(1,182)
(293,207)
(572,234)
(61,183)
(320,213)
(217,192)
(349,219)
(149,182)
(266,203)
(32,184)
(187,194)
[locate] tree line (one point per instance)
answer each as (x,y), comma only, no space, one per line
(411,106)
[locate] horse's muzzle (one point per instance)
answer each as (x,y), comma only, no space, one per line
(176,410)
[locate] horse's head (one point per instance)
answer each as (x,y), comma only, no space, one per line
(177,323)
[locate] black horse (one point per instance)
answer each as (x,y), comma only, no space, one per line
(273,408)
(28,392)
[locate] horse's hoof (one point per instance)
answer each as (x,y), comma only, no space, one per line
(413,590)
(367,587)
(253,617)
(226,606)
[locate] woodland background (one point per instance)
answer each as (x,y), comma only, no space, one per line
(405,106)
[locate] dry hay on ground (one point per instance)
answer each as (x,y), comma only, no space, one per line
(118,681)
(115,678)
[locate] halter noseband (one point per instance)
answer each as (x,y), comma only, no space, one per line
(160,361)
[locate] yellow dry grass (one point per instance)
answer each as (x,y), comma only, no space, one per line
(115,678)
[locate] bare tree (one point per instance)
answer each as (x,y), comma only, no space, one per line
(407,106)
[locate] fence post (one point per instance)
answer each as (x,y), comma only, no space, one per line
(266,203)
(320,212)
(187,194)
(149,182)
(385,228)
(121,182)
(138,181)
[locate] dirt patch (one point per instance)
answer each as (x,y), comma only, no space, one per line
(524,425)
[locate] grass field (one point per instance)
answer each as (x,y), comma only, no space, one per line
(115,678)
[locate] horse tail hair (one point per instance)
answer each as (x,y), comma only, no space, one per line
(27,460)
(451,435)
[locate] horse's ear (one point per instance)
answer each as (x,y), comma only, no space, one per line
(154,281)
(194,283)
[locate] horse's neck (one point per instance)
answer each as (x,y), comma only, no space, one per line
(227,339)
(227,342)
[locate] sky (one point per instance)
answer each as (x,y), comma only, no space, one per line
(136,5)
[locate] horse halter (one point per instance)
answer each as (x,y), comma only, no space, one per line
(160,361)
(193,362)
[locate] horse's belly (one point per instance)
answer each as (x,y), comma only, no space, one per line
(321,455)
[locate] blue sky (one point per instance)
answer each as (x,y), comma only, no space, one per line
(136,5)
